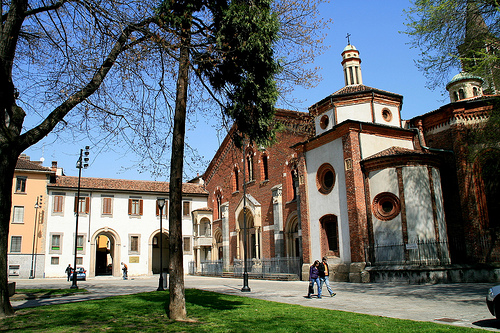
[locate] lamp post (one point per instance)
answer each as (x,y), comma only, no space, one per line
(37,205)
(245,288)
(83,162)
(161,204)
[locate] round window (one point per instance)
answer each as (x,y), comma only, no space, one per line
(325,178)
(323,123)
(386,206)
(387,115)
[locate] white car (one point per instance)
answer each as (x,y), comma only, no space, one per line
(493,301)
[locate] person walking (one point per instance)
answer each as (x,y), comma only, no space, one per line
(68,271)
(324,272)
(125,271)
(314,278)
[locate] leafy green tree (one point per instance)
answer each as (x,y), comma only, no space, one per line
(454,35)
(125,71)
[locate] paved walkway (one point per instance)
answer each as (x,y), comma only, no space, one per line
(455,304)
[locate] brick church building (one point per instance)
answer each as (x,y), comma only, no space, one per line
(353,181)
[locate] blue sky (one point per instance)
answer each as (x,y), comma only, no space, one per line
(388,63)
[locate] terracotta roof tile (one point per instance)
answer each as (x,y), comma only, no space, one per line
(203,209)
(24,164)
(123,185)
(396,151)
(357,89)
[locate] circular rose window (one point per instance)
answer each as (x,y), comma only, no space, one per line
(386,206)
(324,121)
(387,115)
(325,178)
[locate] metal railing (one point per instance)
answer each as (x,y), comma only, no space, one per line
(419,252)
(207,267)
(268,267)
(257,268)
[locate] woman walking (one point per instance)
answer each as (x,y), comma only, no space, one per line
(314,277)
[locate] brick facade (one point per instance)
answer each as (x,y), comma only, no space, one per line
(448,129)
(224,177)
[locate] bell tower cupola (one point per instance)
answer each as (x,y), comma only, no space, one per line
(351,63)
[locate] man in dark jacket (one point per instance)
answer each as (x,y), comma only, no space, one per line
(323,273)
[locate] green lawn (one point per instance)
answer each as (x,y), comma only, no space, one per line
(210,312)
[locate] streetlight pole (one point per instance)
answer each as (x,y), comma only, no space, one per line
(245,288)
(32,271)
(83,162)
(161,204)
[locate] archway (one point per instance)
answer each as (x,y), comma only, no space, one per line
(105,253)
(154,246)
(253,238)
(218,244)
(292,237)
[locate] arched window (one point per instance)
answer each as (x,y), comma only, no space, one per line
(250,165)
(475,91)
(461,93)
(236,184)
(330,235)
(455,96)
(218,202)
(264,167)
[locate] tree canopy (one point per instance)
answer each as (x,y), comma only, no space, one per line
(455,35)
(122,72)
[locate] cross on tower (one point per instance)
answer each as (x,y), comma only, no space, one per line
(348,40)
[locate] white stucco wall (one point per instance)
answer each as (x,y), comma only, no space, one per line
(373,144)
(120,223)
(331,122)
(377,110)
(360,112)
(333,203)
(385,232)
(418,202)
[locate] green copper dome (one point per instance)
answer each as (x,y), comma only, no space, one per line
(464,76)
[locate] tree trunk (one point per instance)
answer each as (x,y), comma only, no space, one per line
(177,305)
(8,160)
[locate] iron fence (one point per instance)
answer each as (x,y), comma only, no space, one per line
(418,252)
(207,267)
(257,268)
(268,267)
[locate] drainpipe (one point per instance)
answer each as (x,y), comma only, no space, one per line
(420,134)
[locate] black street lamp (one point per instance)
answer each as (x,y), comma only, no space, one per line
(161,204)
(245,288)
(33,263)
(83,162)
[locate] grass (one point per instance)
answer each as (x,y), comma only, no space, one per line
(211,312)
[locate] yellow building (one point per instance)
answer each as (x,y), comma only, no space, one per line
(28,219)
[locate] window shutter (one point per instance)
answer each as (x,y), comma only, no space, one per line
(87,205)
(140,207)
(157,210)
(129,206)
(76,204)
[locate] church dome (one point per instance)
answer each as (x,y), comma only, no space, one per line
(349,47)
(463,76)
(465,85)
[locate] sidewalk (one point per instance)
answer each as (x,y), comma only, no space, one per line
(454,304)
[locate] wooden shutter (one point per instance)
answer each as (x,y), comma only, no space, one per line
(87,205)
(140,207)
(129,206)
